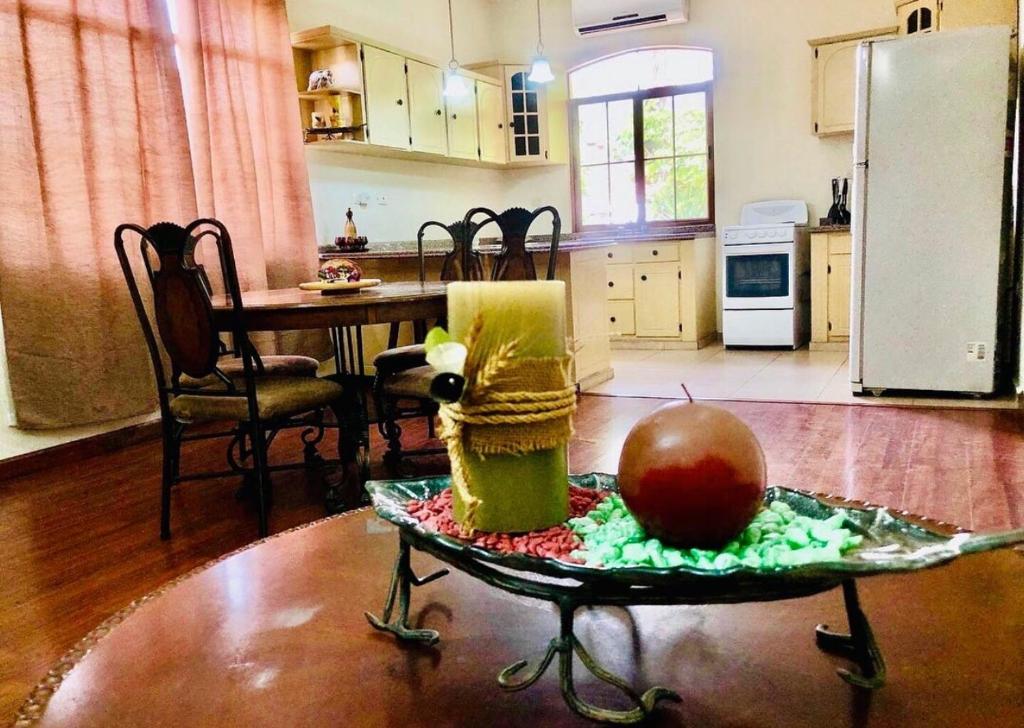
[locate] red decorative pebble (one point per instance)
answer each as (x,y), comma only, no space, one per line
(557,542)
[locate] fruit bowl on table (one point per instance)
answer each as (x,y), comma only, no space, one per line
(339,275)
(893,542)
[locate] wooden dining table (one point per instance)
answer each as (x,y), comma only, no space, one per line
(291,309)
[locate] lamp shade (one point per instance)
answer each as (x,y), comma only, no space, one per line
(455,85)
(540,71)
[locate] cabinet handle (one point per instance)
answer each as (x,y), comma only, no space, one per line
(399,102)
(613,319)
(455,116)
(654,252)
(611,284)
(501,126)
(643,278)
(438,112)
(611,255)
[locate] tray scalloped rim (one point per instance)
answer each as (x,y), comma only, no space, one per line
(936,543)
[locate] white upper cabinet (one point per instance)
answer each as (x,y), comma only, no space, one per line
(927,16)
(387,107)
(491,119)
(526,105)
(462,129)
(834,80)
(426,108)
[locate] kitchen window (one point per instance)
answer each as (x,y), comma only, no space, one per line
(643,155)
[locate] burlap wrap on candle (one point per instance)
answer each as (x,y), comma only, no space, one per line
(526,406)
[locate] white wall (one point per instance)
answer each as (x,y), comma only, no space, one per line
(764,147)
(415,191)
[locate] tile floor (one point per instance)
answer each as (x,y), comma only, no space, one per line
(756,375)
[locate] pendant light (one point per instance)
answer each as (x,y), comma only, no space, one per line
(540,71)
(454,84)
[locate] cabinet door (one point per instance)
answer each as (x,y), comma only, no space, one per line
(620,318)
(527,116)
(656,297)
(462,137)
(491,114)
(387,110)
(955,14)
(426,108)
(620,281)
(838,295)
(835,69)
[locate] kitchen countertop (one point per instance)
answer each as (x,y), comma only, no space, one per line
(828,229)
(488,246)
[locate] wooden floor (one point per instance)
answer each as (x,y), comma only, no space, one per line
(78,544)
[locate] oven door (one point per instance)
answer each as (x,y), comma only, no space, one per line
(758,276)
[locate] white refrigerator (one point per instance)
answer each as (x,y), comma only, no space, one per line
(930,203)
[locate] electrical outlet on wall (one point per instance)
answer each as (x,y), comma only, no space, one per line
(382,199)
(362,199)
(977,351)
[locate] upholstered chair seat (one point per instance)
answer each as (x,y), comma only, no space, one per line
(400,358)
(413,383)
(273,366)
(276,396)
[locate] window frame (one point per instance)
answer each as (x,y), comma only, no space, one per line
(642,224)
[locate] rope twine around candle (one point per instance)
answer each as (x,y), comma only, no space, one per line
(510,406)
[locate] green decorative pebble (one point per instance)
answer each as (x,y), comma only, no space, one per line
(777,537)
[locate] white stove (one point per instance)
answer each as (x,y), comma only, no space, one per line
(766,276)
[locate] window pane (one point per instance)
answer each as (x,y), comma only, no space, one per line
(531,103)
(691,187)
(623,193)
(641,70)
(658,127)
(620,130)
(691,124)
(594,195)
(517,81)
(517,103)
(593,134)
(534,146)
(660,191)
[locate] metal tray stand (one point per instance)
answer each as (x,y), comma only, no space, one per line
(893,543)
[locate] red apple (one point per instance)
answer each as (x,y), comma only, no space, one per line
(693,475)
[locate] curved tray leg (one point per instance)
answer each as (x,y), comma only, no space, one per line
(402,579)
(859,645)
(565,645)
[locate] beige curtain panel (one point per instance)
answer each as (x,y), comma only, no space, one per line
(94,131)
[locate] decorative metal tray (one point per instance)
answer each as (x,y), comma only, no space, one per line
(892,543)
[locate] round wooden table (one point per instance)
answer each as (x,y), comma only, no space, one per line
(274,635)
(289,309)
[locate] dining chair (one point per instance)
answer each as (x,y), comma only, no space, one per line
(402,381)
(207,381)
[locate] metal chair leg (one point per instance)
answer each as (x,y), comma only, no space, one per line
(259,451)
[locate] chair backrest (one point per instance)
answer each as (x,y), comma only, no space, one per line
(182,306)
(514,262)
(461,263)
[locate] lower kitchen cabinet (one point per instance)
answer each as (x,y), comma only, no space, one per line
(620,318)
(656,287)
(661,294)
(830,289)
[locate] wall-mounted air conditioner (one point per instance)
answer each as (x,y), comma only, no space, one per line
(604,16)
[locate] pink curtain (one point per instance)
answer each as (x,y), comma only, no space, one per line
(96,129)
(92,134)
(244,130)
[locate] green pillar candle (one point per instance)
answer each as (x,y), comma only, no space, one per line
(531,490)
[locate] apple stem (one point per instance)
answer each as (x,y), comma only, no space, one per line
(688,395)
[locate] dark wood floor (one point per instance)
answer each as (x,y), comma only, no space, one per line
(77,544)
